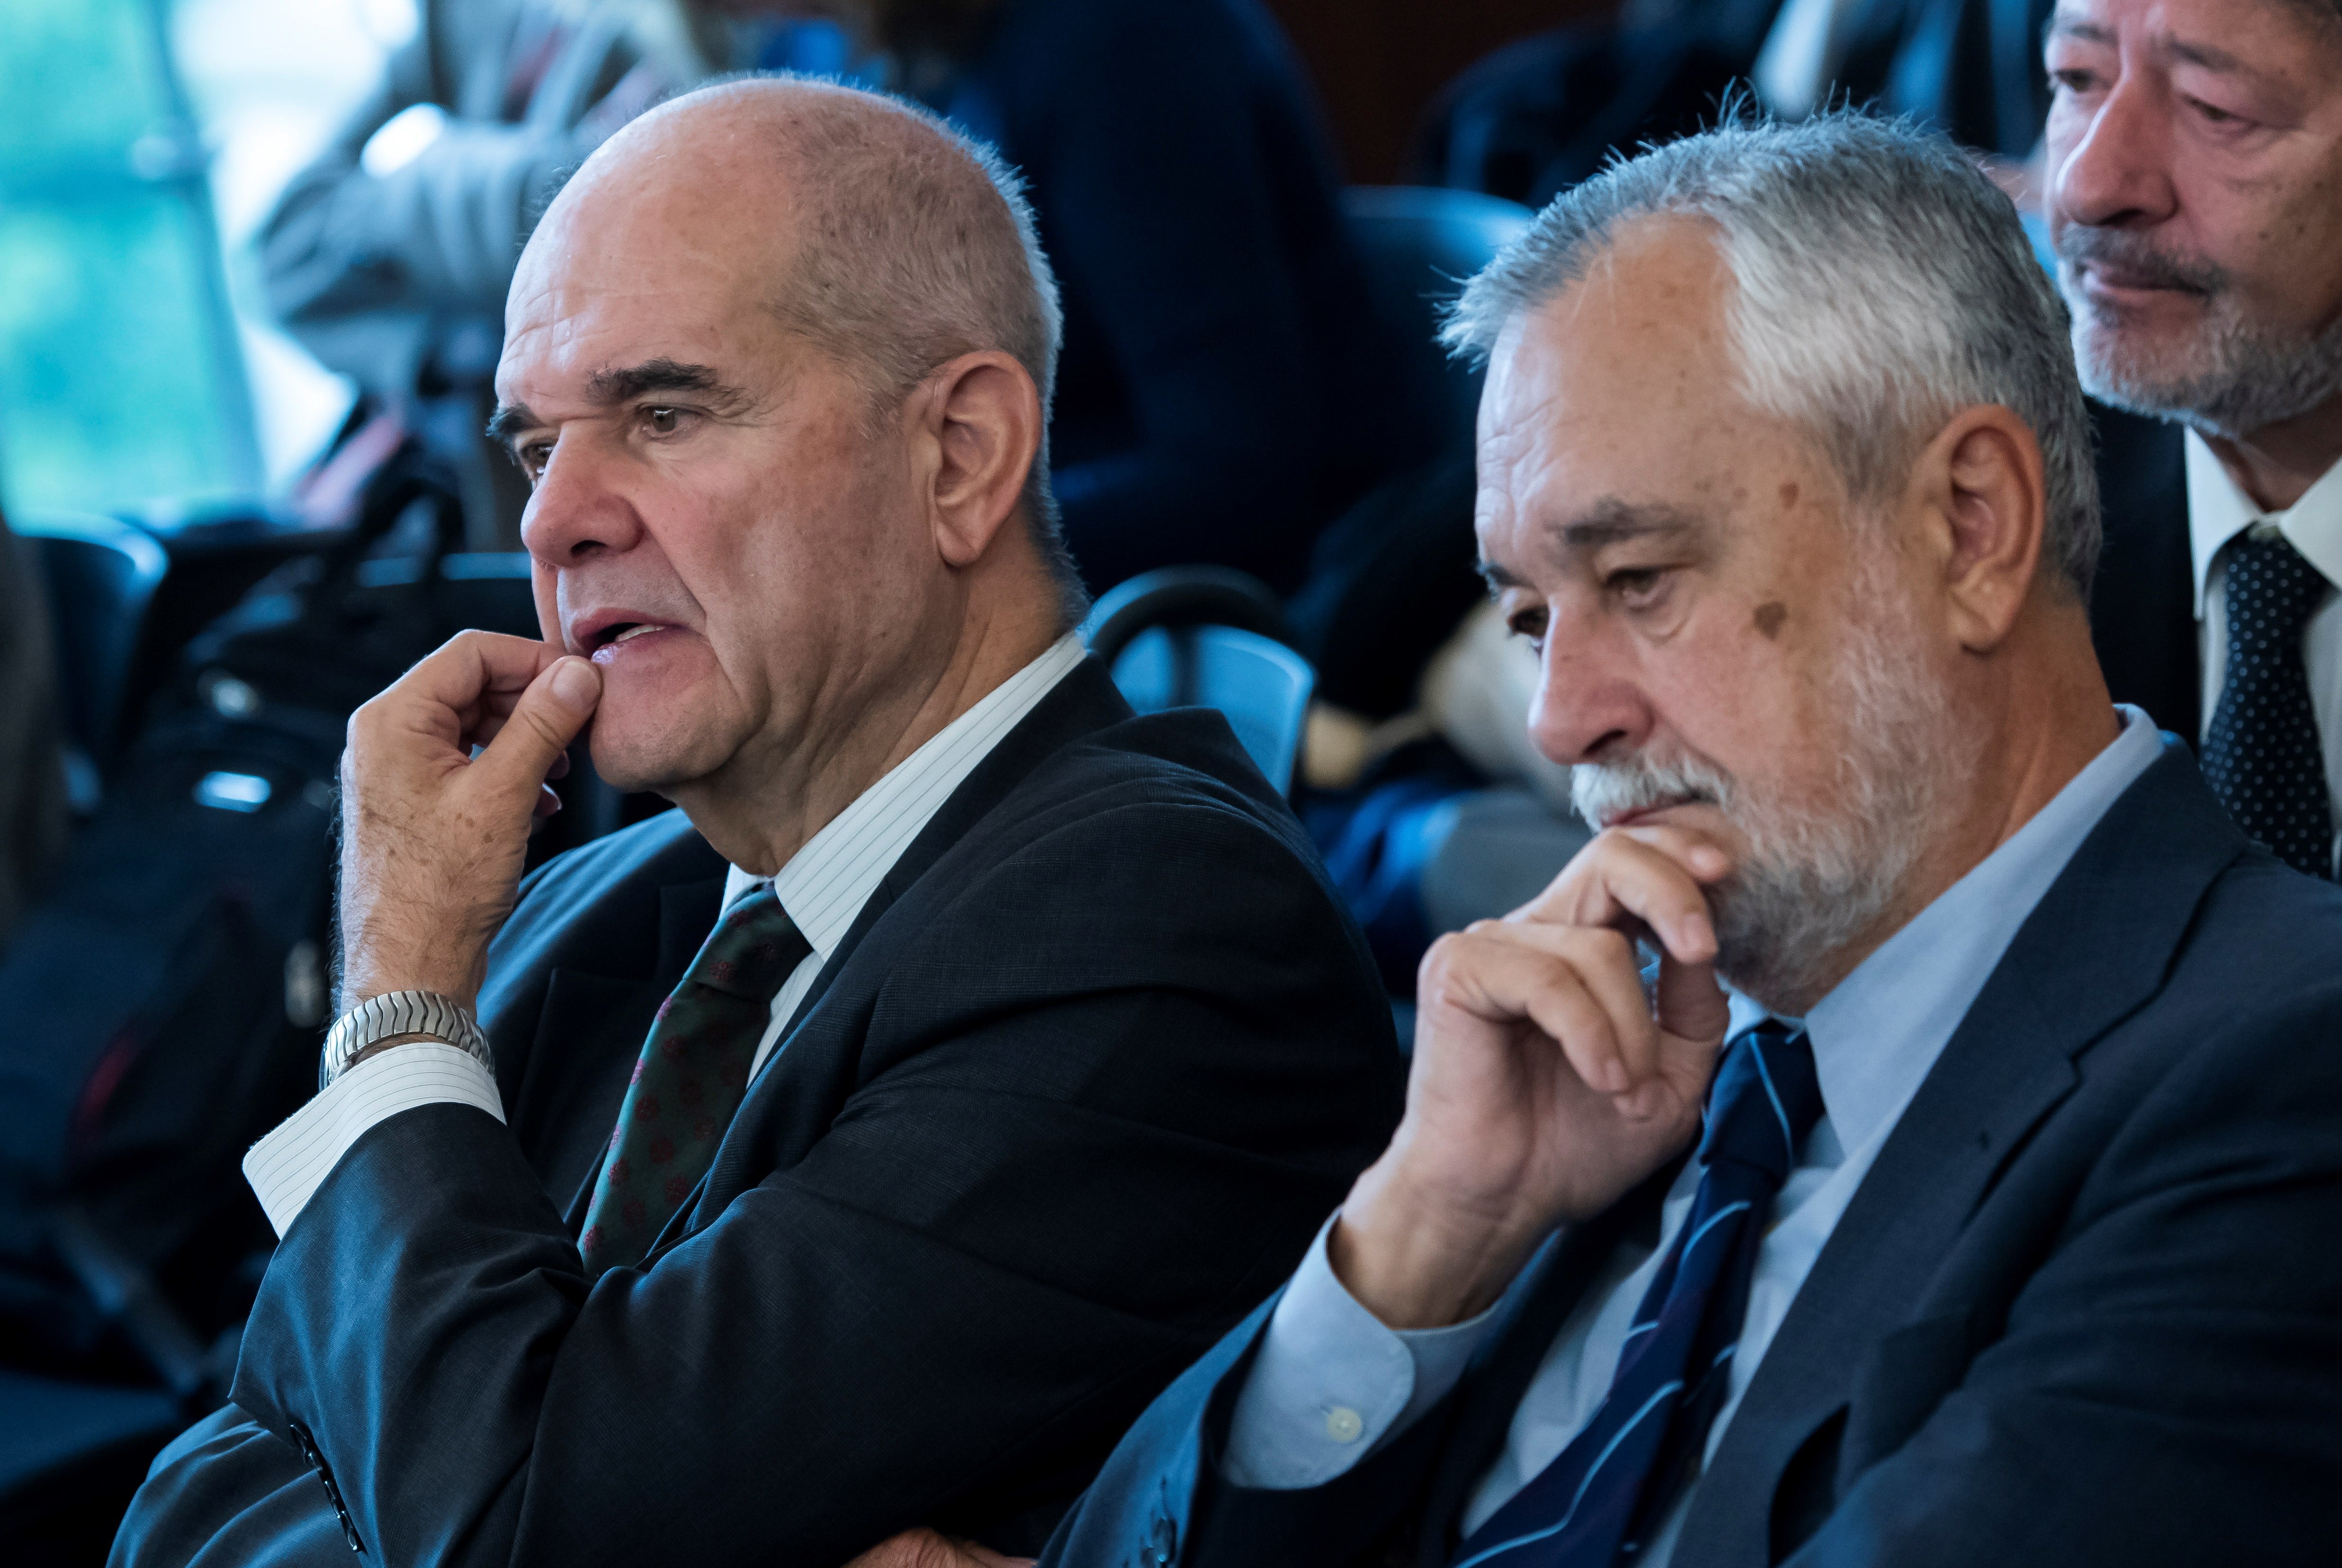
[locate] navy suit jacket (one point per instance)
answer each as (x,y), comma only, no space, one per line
(1071,1096)
(2086,1307)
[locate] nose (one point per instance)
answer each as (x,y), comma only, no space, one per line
(578,509)
(1585,710)
(2111,167)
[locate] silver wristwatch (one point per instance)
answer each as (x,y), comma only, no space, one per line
(397,1012)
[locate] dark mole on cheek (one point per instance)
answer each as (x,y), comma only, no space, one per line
(1788,495)
(1769,616)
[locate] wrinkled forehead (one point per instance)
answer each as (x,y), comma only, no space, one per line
(1622,390)
(629,271)
(2287,45)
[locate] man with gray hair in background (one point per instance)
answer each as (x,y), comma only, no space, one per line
(2195,158)
(867,1141)
(1988,1216)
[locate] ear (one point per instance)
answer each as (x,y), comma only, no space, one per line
(1982,488)
(978,425)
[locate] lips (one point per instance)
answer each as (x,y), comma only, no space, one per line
(601,635)
(2123,280)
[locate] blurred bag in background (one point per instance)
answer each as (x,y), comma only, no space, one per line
(161,1008)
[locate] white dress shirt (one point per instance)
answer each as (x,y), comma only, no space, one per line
(2218,510)
(1331,1384)
(823,888)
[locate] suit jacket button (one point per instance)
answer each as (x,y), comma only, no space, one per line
(307,1444)
(1162,1547)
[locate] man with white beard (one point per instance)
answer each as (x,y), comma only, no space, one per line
(1988,1216)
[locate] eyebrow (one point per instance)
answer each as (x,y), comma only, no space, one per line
(623,384)
(2204,55)
(1609,521)
(2209,58)
(2064,26)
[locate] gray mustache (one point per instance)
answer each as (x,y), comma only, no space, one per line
(2139,258)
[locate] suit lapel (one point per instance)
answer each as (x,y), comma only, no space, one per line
(1084,703)
(2115,915)
(811,1069)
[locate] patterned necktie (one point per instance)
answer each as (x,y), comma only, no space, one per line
(692,1075)
(1598,1501)
(2261,754)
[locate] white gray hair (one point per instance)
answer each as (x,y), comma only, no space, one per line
(916,245)
(1884,284)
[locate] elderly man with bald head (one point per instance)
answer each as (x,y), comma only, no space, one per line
(865,1142)
(1959,1185)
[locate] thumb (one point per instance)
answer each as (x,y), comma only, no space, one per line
(547,717)
(1691,1005)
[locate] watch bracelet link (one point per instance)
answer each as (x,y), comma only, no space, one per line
(396,1012)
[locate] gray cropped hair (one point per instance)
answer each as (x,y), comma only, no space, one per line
(917,246)
(1884,284)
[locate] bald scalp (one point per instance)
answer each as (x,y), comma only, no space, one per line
(910,243)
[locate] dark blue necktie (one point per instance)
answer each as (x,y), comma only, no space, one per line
(1600,1498)
(2261,752)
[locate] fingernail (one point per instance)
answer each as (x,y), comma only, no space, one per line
(1710,861)
(576,684)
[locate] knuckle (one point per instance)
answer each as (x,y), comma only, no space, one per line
(1603,945)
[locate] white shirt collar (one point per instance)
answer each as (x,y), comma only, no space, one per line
(2219,510)
(826,884)
(1877,1035)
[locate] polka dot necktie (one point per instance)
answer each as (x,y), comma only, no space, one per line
(691,1077)
(2261,754)
(1599,1500)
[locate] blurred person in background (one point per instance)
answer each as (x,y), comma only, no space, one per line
(2195,197)
(1216,402)
(1208,404)
(32,777)
(389,256)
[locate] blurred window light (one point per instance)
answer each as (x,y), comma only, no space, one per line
(233,792)
(121,375)
(402,138)
(390,23)
(145,142)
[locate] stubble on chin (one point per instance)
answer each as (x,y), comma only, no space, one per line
(2224,376)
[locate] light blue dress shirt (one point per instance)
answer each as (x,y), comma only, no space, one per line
(1331,1384)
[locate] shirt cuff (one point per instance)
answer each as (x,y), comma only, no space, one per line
(1331,1384)
(286,1167)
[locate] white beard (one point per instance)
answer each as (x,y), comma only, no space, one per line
(1813,878)
(2236,377)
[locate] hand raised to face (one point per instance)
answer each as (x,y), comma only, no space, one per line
(432,837)
(1547,1081)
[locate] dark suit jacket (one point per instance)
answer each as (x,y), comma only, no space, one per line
(1068,1100)
(2143,604)
(2086,1307)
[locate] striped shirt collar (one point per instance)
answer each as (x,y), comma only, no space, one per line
(826,884)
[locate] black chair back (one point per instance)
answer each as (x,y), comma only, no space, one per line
(101,574)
